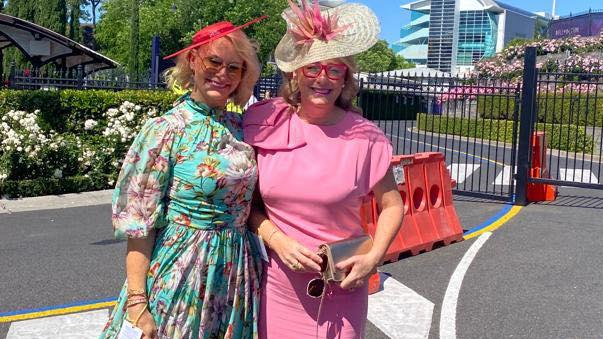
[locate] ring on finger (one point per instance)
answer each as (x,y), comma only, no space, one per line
(296,266)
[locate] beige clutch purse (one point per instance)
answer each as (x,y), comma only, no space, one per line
(338,251)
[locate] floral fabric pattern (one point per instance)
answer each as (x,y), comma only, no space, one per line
(189,177)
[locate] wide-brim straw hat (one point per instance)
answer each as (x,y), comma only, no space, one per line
(360,35)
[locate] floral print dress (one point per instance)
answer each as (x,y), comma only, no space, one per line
(189,176)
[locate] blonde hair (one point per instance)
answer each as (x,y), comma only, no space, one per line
(289,90)
(181,75)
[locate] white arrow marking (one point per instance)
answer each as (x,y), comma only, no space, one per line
(460,172)
(400,312)
(504,177)
(583,176)
(71,326)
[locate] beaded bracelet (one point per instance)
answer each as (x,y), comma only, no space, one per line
(136,291)
(144,295)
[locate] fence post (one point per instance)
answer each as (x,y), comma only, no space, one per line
(526,124)
(80,76)
(11,75)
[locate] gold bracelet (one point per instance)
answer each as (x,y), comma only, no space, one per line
(274,231)
(135,322)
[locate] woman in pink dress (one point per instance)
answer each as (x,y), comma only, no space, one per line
(318,158)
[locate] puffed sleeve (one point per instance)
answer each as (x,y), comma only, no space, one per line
(379,160)
(269,125)
(139,197)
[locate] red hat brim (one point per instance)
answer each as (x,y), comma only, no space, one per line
(215,37)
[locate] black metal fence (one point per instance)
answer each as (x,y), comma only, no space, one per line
(569,109)
(113,79)
(458,116)
(483,126)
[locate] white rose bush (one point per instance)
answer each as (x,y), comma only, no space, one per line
(82,151)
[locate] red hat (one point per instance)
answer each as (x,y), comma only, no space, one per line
(213,32)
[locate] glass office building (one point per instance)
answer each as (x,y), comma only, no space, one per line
(452,35)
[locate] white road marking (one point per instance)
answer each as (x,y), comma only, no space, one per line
(400,312)
(71,326)
(448,316)
(460,172)
(504,177)
(579,175)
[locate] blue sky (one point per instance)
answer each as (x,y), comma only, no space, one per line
(393,17)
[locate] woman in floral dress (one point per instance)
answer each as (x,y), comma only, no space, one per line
(182,200)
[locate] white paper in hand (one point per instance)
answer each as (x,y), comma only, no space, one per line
(129,331)
(262,247)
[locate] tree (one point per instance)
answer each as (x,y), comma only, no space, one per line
(134,38)
(74,14)
(541,28)
(51,14)
(93,6)
(175,21)
(381,58)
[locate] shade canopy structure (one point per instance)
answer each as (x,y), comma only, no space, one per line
(42,46)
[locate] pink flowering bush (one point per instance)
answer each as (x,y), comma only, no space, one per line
(508,64)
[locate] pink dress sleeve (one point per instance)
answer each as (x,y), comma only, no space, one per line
(267,125)
(379,160)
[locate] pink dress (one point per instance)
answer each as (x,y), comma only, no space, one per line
(312,179)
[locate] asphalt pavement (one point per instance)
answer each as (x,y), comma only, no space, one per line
(537,276)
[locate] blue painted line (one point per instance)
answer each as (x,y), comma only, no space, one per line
(491,220)
(50,308)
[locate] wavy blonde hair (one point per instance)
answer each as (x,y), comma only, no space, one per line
(289,90)
(181,75)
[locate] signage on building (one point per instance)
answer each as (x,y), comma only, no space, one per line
(590,24)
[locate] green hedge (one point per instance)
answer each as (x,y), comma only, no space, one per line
(47,186)
(66,110)
(564,137)
(555,109)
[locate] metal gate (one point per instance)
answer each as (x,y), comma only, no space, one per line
(473,121)
(568,108)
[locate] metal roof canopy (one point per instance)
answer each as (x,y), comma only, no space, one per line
(42,46)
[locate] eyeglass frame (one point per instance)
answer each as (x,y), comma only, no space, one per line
(323,67)
(223,65)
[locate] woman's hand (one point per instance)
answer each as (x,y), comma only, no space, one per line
(296,256)
(360,267)
(146,322)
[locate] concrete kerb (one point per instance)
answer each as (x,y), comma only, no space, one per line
(8,206)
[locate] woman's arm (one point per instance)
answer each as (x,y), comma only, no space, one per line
(137,267)
(296,256)
(390,219)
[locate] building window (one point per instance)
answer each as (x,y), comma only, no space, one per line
(477,36)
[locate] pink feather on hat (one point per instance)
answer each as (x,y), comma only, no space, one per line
(309,24)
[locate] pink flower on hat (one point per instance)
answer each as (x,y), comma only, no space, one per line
(309,24)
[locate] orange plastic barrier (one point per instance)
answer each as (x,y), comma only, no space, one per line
(441,208)
(430,218)
(539,169)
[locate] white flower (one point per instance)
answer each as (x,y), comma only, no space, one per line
(4,176)
(57,173)
(89,124)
